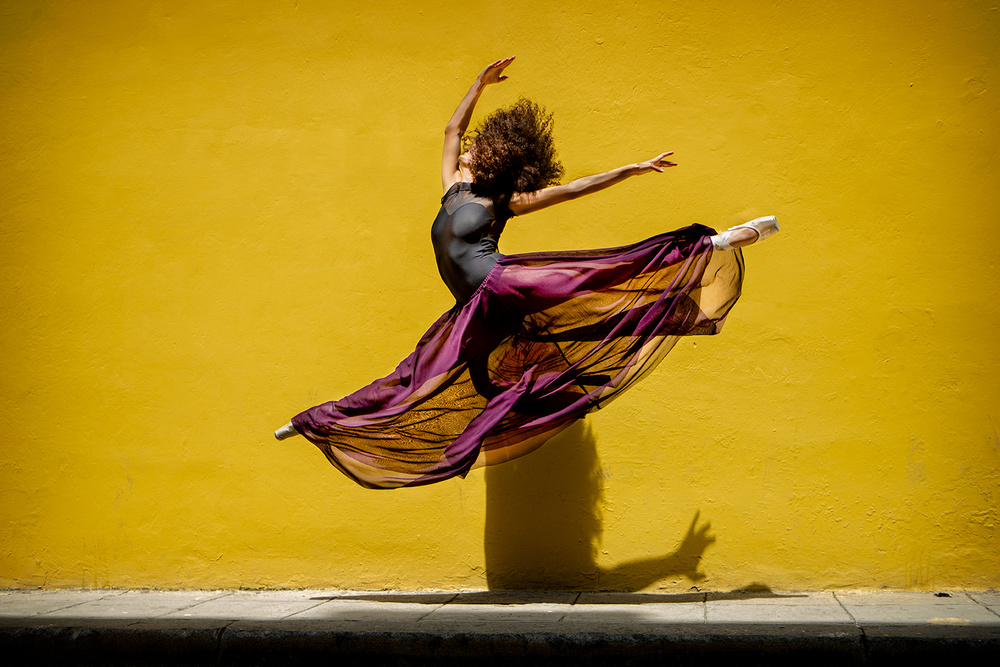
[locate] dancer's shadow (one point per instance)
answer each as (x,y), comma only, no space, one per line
(543,521)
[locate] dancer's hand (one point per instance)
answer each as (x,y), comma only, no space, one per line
(658,163)
(494,72)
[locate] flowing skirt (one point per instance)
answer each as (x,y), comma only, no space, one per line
(547,338)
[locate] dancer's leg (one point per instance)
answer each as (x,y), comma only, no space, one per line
(746,234)
(736,239)
(285,431)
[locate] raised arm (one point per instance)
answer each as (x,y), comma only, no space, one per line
(459,122)
(526,202)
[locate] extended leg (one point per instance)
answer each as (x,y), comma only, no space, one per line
(746,234)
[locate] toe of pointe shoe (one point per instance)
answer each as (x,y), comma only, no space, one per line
(765,226)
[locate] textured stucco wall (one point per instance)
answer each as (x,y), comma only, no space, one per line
(216,214)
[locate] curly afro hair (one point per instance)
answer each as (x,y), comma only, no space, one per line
(513,152)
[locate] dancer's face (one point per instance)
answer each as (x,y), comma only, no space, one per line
(465,159)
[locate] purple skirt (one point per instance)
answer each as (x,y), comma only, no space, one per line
(547,338)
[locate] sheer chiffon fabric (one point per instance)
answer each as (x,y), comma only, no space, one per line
(545,339)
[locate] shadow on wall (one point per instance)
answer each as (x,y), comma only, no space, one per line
(543,523)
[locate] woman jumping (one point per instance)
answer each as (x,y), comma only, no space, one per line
(534,341)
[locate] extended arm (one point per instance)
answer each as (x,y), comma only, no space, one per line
(526,202)
(459,122)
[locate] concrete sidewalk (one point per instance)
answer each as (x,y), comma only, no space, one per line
(279,627)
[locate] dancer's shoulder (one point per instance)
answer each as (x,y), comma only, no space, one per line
(456,187)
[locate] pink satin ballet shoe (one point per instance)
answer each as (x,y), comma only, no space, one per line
(766,226)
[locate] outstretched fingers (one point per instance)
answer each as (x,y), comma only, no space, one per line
(659,163)
(662,162)
(494,71)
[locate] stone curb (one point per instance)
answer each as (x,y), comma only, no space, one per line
(750,644)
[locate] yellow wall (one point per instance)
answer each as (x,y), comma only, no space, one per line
(216,214)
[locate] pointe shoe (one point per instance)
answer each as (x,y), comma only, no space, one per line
(285,431)
(766,226)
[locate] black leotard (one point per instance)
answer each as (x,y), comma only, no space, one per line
(465,234)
